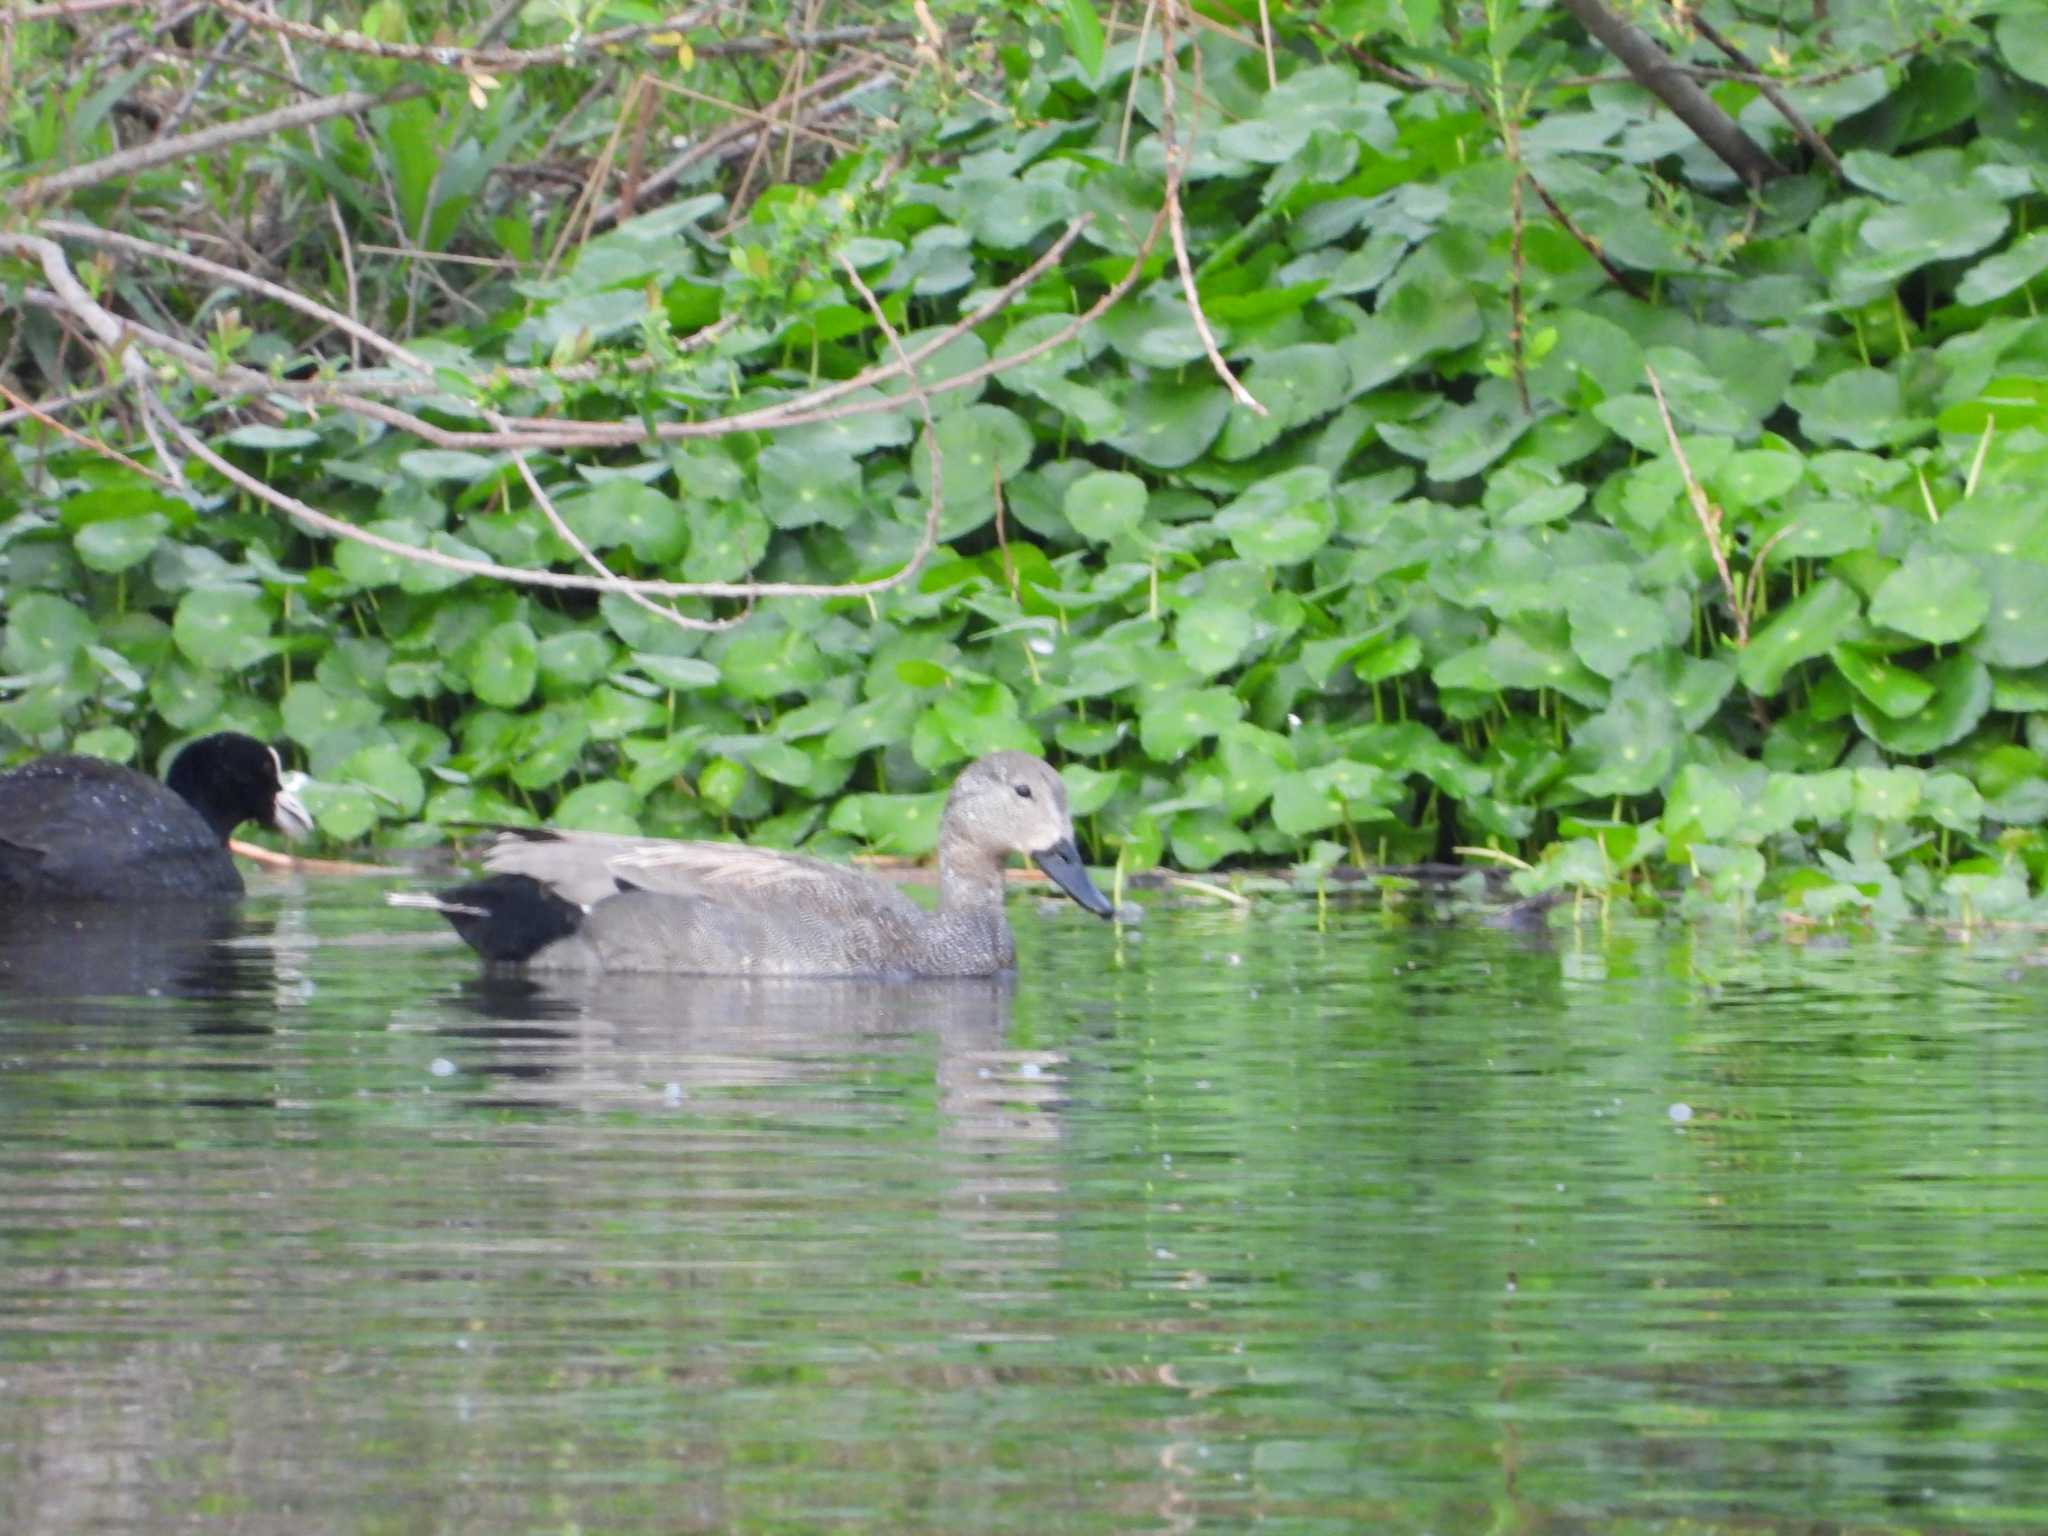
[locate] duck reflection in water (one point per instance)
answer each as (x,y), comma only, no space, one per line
(596,1042)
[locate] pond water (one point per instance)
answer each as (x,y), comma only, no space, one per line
(1231,1221)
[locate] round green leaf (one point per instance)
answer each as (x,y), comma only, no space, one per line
(504,665)
(1104,504)
(312,711)
(575,658)
(1932,597)
(364,566)
(2014,267)
(1168,424)
(43,631)
(224,629)
(2015,633)
(1172,722)
(721,783)
(394,782)
(112,742)
(2024,44)
(120,542)
(981,447)
(268,439)
(343,812)
(605,805)
(810,483)
(1610,630)
(726,541)
(1283,518)
(1212,634)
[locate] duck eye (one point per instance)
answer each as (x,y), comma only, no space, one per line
(1024,791)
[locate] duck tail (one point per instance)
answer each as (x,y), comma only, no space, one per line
(504,918)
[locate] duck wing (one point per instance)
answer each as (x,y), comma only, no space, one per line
(589,867)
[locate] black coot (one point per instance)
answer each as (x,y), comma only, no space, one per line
(83,829)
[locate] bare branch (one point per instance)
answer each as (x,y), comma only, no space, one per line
(1766,87)
(1662,77)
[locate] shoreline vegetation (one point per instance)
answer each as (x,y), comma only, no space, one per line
(1598,446)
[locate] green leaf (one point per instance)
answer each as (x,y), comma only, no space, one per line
(1892,689)
(1105,504)
(343,812)
(2012,268)
(384,770)
(224,629)
(504,665)
(268,439)
(726,542)
(1083,31)
(1887,794)
(981,447)
(1932,597)
(118,543)
(1629,748)
(764,663)
(1212,634)
(112,742)
(1962,696)
(575,658)
(437,464)
(44,631)
(2023,44)
(2015,633)
(902,824)
(312,712)
(605,805)
(1283,518)
(802,485)
(1172,722)
(1167,423)
(679,672)
(622,511)
(1610,630)
(1817,619)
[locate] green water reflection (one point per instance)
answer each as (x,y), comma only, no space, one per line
(1229,1223)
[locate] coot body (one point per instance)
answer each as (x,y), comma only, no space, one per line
(84,829)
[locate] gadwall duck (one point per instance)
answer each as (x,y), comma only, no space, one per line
(85,829)
(595,902)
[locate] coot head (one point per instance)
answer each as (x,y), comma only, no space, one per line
(230,778)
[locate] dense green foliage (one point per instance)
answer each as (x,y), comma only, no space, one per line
(1452,590)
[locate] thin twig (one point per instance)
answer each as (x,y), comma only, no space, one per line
(23,408)
(1590,245)
(1708,514)
(1177,225)
(93,234)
